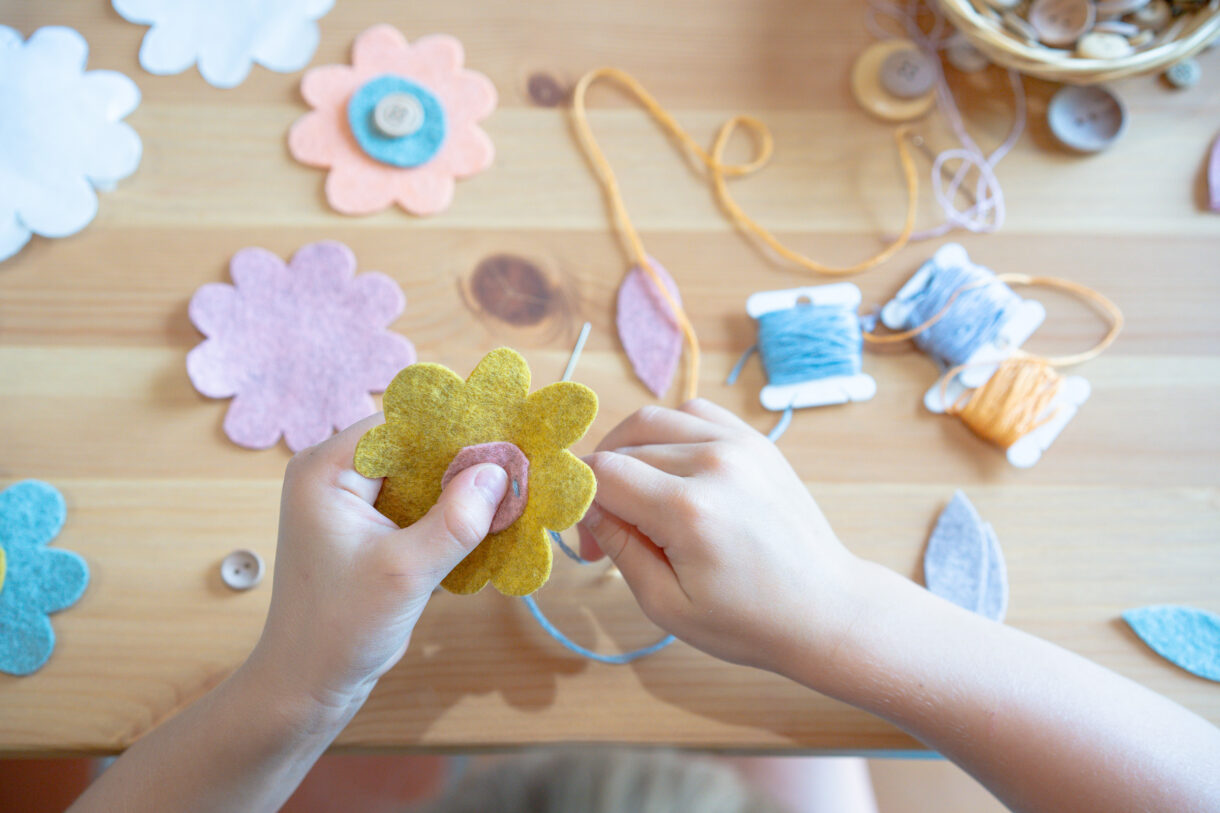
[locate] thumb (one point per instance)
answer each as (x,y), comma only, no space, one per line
(459,520)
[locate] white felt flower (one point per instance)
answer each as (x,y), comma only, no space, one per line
(225,36)
(61,135)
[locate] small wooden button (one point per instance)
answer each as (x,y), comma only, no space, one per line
(866,84)
(242,569)
(1061,22)
(1086,119)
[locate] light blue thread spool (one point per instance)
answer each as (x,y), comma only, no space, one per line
(807,342)
(975,317)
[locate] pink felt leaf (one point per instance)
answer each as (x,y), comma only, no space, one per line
(648,328)
(299,345)
(1213,176)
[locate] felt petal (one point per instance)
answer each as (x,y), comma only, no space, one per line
(468,96)
(286,44)
(114,95)
(57,53)
(213,308)
(168,47)
(304,427)
(252,422)
(502,375)
(257,272)
(434,59)
(223,66)
(13,235)
(380,453)
(426,190)
(648,329)
(466,152)
(529,565)
(421,389)
(26,639)
(1185,636)
(62,206)
(360,187)
(559,414)
(963,562)
(377,297)
(31,514)
(328,86)
(209,365)
(138,11)
(316,140)
(1213,176)
(113,154)
(385,355)
(327,263)
(55,578)
(378,47)
(561,489)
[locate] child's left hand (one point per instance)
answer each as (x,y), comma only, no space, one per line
(349,583)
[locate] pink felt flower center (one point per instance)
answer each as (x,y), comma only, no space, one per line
(508,457)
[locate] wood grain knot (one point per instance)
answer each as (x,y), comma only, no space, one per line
(513,289)
(546,91)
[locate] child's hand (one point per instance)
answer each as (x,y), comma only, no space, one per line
(717,537)
(349,583)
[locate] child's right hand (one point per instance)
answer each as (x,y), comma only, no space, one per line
(717,537)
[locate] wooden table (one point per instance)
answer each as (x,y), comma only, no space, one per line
(1123,511)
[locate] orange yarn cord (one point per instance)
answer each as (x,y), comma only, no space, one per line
(1011,403)
(713,162)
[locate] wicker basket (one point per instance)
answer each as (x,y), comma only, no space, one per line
(1184,37)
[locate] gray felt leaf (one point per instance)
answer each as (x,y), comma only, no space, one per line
(963,562)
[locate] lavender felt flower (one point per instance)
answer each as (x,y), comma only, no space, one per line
(298,347)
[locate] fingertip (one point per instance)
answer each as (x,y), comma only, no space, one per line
(590,551)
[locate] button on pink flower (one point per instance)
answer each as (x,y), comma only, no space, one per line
(360,184)
(298,346)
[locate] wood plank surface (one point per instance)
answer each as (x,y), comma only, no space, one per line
(1123,511)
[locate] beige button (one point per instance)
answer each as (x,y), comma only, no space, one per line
(1184,74)
(964,56)
(1086,119)
(908,73)
(1121,27)
(1016,24)
(1061,22)
(242,569)
(397,115)
(1099,45)
(1117,8)
(866,84)
(1155,15)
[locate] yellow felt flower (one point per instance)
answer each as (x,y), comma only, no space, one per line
(431,415)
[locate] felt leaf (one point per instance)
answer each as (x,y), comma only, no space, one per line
(299,345)
(225,37)
(61,135)
(34,579)
(647,327)
(1185,636)
(963,562)
(432,416)
(370,171)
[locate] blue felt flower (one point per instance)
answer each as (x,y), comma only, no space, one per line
(34,579)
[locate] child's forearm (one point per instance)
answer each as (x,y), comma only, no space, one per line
(1042,728)
(243,746)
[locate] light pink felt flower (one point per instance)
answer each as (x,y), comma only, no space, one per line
(298,347)
(359,184)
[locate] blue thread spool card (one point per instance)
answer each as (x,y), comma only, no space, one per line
(824,391)
(898,314)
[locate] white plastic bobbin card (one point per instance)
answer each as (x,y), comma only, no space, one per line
(1028,449)
(838,389)
(898,315)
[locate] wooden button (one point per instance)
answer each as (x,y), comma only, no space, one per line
(908,73)
(1086,119)
(397,115)
(1061,22)
(872,96)
(1099,45)
(242,569)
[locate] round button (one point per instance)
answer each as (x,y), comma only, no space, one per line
(1184,74)
(398,115)
(1100,45)
(242,569)
(1155,15)
(866,83)
(907,74)
(1061,22)
(1087,119)
(964,56)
